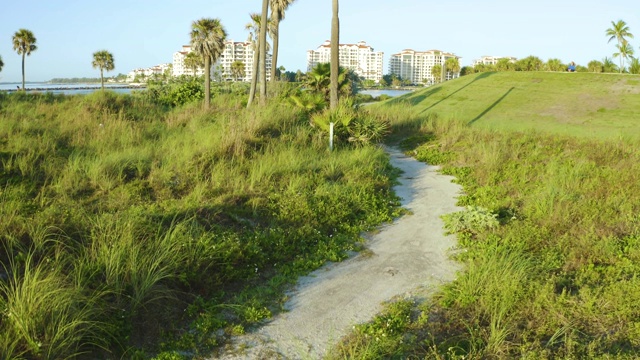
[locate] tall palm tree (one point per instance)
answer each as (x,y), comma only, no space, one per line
(335,55)
(193,61)
(436,70)
(278,8)
(254,38)
(207,40)
(24,43)
(104,61)
(619,31)
(262,58)
(624,51)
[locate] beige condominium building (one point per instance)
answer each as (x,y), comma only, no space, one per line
(233,51)
(415,66)
(360,57)
(492,60)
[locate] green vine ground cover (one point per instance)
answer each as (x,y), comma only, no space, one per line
(557,276)
(130,228)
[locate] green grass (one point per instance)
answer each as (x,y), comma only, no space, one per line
(584,104)
(558,276)
(131,228)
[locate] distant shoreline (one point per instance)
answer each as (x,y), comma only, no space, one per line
(64,88)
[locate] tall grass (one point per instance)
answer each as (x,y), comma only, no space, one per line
(137,210)
(548,282)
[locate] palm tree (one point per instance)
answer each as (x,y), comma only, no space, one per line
(555,65)
(335,55)
(262,58)
(619,31)
(278,8)
(1,63)
(24,43)
(254,39)
(436,70)
(207,40)
(452,66)
(104,61)
(237,70)
(595,66)
(193,61)
(608,65)
(634,66)
(624,51)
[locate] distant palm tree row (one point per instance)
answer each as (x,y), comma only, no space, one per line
(24,43)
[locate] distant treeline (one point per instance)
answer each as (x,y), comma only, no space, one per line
(75,80)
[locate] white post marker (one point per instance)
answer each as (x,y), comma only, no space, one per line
(331,136)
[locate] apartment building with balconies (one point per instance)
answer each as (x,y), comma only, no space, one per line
(222,69)
(492,60)
(416,66)
(359,57)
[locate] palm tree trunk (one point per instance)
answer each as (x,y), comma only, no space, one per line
(335,56)
(276,43)
(263,52)
(23,89)
(254,77)
(207,82)
(101,78)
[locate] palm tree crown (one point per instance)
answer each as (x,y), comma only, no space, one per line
(103,60)
(24,43)
(208,40)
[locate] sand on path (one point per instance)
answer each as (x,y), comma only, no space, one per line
(409,254)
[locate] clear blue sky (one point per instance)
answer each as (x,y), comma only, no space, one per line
(143,33)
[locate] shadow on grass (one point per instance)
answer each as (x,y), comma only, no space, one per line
(479,77)
(490,107)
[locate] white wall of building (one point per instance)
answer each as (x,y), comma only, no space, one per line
(415,66)
(360,57)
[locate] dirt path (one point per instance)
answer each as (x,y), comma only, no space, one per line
(409,254)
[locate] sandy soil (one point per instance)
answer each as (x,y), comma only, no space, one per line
(408,255)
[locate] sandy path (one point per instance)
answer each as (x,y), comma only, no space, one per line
(409,254)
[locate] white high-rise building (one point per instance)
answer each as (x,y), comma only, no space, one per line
(233,51)
(415,66)
(360,57)
(492,60)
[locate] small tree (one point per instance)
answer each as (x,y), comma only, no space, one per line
(207,40)
(1,63)
(237,70)
(194,62)
(595,66)
(104,61)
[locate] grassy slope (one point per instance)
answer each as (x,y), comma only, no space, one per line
(558,278)
(602,105)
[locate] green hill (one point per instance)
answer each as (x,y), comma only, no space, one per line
(584,104)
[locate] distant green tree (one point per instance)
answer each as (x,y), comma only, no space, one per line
(620,32)
(530,63)
(207,40)
(24,43)
(193,61)
(466,70)
(595,66)
(319,81)
(555,65)
(609,66)
(237,70)
(300,76)
(436,73)
(278,8)
(505,64)
(580,68)
(452,66)
(1,63)
(103,60)
(625,51)
(479,68)
(634,66)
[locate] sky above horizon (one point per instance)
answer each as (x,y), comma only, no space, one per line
(144,33)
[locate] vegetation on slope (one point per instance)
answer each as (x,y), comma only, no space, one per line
(129,227)
(556,277)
